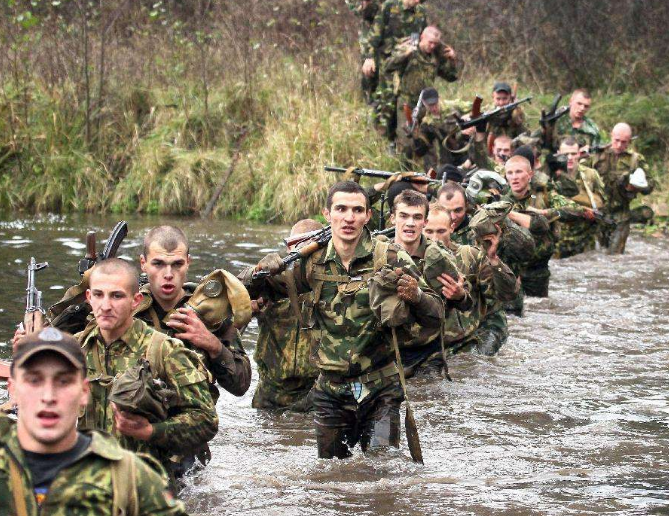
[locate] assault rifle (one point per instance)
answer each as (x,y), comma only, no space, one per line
(416,112)
(554,113)
(110,249)
(603,219)
(466,124)
(418,177)
(34,316)
(305,244)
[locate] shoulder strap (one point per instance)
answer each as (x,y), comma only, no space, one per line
(154,353)
(380,254)
(124,486)
(292,296)
(18,491)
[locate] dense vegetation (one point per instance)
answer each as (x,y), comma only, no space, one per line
(141,106)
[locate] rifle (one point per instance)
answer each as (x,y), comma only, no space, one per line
(554,113)
(382,217)
(466,124)
(418,177)
(34,316)
(110,249)
(416,112)
(307,244)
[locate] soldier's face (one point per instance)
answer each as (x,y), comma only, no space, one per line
(409,222)
(438,227)
(501,98)
(456,207)
(572,152)
(410,3)
(433,109)
(620,140)
(518,175)
(167,272)
(501,150)
(48,392)
(113,302)
(579,106)
(347,215)
(429,41)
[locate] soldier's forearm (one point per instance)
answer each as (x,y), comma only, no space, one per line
(429,311)
(504,282)
(189,429)
(232,371)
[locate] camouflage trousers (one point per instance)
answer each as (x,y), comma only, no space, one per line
(368,86)
(535,280)
(492,333)
(614,239)
(575,239)
(293,394)
(517,306)
(427,359)
(385,100)
(348,413)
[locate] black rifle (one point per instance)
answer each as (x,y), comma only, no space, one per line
(466,124)
(418,177)
(600,217)
(554,113)
(110,249)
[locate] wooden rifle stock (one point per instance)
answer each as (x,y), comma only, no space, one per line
(407,114)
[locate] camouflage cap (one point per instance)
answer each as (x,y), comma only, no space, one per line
(488,216)
(49,339)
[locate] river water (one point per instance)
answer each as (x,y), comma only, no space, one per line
(569,419)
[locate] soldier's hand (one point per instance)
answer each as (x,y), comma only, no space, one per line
(191,328)
(257,305)
(398,176)
(491,244)
(271,263)
(132,425)
(407,287)
(451,289)
(449,53)
(368,67)
(18,335)
(589,215)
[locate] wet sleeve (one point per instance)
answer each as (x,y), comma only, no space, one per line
(516,242)
(565,209)
(429,311)
(153,496)
(192,417)
(501,281)
(231,368)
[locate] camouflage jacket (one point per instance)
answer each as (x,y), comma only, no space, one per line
(231,369)
(507,124)
(85,487)
(393,23)
(283,348)
(439,141)
(417,70)
(587,134)
(366,15)
(351,340)
(614,171)
(192,419)
(488,285)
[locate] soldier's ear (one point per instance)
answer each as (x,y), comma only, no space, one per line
(326,214)
(88,295)
(142,262)
(137,298)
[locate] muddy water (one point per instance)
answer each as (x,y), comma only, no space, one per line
(569,419)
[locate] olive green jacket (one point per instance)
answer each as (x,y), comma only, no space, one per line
(84,487)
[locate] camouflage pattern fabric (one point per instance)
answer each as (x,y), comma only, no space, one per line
(438,141)
(282,355)
(587,134)
(615,171)
(84,487)
(231,369)
(581,236)
(192,419)
(366,14)
(507,124)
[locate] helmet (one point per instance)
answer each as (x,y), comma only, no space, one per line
(481,184)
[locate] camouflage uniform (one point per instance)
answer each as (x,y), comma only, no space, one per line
(83,487)
(545,231)
(357,395)
(192,419)
(506,124)
(615,171)
(282,355)
(392,23)
(231,369)
(366,15)
(414,70)
(587,134)
(516,246)
(580,236)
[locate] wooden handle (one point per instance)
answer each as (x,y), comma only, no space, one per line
(90,245)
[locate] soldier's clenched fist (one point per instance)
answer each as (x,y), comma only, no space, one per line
(407,287)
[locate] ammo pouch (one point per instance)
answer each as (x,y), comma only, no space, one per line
(218,296)
(138,392)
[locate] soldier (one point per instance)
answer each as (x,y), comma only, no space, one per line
(540,213)
(580,236)
(113,344)
(501,150)
(436,137)
(165,259)
(47,466)
(416,67)
(489,278)
(358,394)
(509,124)
(282,353)
(578,124)
(409,216)
(396,20)
(366,10)
(625,175)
